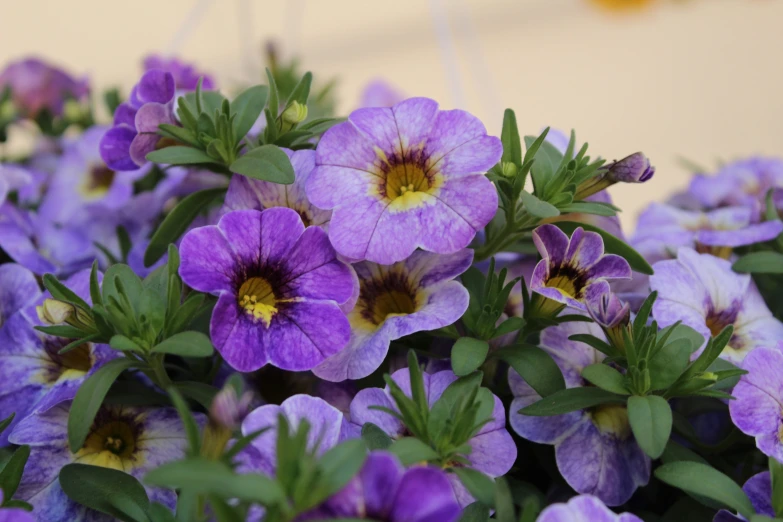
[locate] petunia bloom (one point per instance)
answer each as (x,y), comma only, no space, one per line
(37,86)
(14,514)
(134,135)
(384,491)
(414,295)
(380,93)
(278,284)
(132,440)
(13,177)
(493,449)
(758,408)
(758,488)
(595,450)
(739,183)
(704,293)
(185,75)
(574,271)
(405,177)
(584,508)
(18,288)
(247,193)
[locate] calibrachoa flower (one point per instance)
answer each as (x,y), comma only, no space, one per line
(635,168)
(584,508)
(279,286)
(493,449)
(185,75)
(134,134)
(717,231)
(37,86)
(246,193)
(595,449)
(34,374)
(380,93)
(744,182)
(12,177)
(405,177)
(414,295)
(12,514)
(758,408)
(384,491)
(758,488)
(18,288)
(132,440)
(704,293)
(574,271)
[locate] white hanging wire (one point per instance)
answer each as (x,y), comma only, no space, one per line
(189,23)
(448,52)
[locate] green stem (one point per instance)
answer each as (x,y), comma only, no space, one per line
(159,371)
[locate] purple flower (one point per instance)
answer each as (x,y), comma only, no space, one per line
(384,491)
(228,410)
(132,440)
(279,286)
(135,132)
(635,168)
(18,288)
(609,311)
(13,177)
(405,177)
(327,429)
(11,514)
(595,450)
(758,408)
(584,508)
(574,271)
(35,376)
(716,231)
(740,183)
(758,488)
(704,293)
(493,449)
(185,75)
(380,93)
(37,86)
(246,193)
(414,295)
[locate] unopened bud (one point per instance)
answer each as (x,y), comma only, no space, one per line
(509,169)
(54,312)
(635,168)
(227,410)
(294,113)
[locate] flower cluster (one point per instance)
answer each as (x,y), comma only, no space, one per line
(250,309)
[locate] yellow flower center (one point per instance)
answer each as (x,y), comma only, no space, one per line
(110,446)
(98,181)
(563,283)
(257,297)
(406,182)
(387,295)
(612,419)
(393,302)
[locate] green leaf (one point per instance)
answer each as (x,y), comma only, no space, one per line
(131,284)
(338,466)
(468,354)
(512,324)
(512,145)
(668,363)
(571,399)
(123,344)
(89,398)
(683,331)
(480,486)
(177,221)
(375,438)
(760,263)
(538,208)
(589,207)
(63,293)
(107,490)
(200,392)
(612,245)
(651,422)
(705,481)
(267,163)
(6,422)
(247,107)
(188,421)
(186,344)
(504,503)
(301,92)
(179,155)
(475,512)
(95,286)
(547,159)
(776,475)
(535,366)
(11,474)
(605,377)
(411,450)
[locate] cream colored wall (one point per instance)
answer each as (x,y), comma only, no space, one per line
(700,79)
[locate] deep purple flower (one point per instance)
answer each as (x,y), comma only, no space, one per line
(595,450)
(18,288)
(247,193)
(635,168)
(35,376)
(185,75)
(739,183)
(758,488)
(36,86)
(703,292)
(493,449)
(418,294)
(384,491)
(380,93)
(574,271)
(132,440)
(134,134)
(584,508)
(13,514)
(758,408)
(405,177)
(279,286)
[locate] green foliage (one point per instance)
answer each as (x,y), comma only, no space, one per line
(707,482)
(107,490)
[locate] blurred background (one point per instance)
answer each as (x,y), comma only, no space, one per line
(675,79)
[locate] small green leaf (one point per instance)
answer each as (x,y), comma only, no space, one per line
(61,292)
(89,398)
(705,481)
(177,221)
(123,344)
(267,163)
(776,475)
(6,422)
(468,354)
(480,486)
(589,207)
(760,263)
(538,208)
(651,422)
(612,245)
(512,145)
(179,155)
(375,438)
(107,490)
(186,344)
(668,363)
(338,466)
(247,107)
(571,399)
(512,324)
(301,92)
(605,377)
(411,450)
(475,512)
(535,366)
(11,474)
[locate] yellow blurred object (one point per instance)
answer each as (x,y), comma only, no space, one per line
(622,5)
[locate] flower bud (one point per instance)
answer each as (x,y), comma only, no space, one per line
(294,113)
(609,311)
(54,312)
(227,410)
(635,168)
(509,169)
